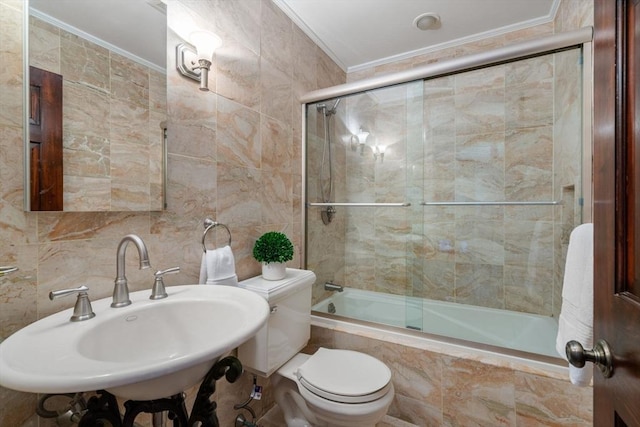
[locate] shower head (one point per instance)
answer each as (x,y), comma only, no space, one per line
(333,109)
(328,111)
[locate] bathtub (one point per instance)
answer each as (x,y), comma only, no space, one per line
(500,328)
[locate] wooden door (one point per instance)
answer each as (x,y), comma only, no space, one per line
(45,136)
(617,208)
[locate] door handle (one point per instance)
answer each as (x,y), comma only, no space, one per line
(601,355)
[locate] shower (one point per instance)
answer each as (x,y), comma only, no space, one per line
(326,181)
(470,204)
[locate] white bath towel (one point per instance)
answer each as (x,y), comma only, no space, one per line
(218,267)
(576,314)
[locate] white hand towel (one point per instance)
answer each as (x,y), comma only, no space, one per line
(218,267)
(576,314)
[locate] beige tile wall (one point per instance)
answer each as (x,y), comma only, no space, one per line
(234,155)
(436,389)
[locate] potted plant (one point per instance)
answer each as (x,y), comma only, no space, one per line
(273,249)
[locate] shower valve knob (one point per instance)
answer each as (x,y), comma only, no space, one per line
(601,355)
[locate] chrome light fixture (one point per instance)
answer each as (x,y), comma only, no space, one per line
(359,140)
(195,61)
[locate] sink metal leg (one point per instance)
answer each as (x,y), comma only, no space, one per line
(174,406)
(103,410)
(203,413)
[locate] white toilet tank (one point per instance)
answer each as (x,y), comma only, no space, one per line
(289,326)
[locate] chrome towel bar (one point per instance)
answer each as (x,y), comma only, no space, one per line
(364,205)
(473,203)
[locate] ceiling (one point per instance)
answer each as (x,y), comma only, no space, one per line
(131,27)
(359,34)
(356,34)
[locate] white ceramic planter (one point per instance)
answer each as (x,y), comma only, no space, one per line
(274,270)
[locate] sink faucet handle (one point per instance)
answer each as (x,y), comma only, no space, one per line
(82,310)
(158,291)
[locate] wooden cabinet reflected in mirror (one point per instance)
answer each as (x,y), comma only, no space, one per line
(109,131)
(45,140)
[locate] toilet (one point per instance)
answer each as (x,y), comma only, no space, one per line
(328,388)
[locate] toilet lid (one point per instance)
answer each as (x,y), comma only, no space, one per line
(345,376)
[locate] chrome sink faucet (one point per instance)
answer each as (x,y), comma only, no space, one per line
(121,290)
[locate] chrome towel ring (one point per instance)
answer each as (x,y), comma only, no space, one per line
(4,270)
(210,224)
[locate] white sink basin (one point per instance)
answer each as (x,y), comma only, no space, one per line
(147,350)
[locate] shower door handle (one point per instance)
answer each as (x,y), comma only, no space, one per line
(601,355)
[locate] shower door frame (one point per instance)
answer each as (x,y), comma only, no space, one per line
(581,38)
(578,39)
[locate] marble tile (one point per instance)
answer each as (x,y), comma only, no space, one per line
(238,21)
(157,91)
(18,290)
(479,167)
(528,243)
(16,407)
(529,163)
(529,105)
(238,135)
(480,242)
(477,395)
(276,37)
(86,193)
(482,45)
(44,45)
(129,195)
(59,226)
(84,62)
(550,402)
(529,289)
(129,81)
(276,144)
(480,112)
(327,72)
(239,195)
(129,122)
(528,71)
(304,62)
(479,284)
(192,185)
(524,34)
(480,80)
(129,161)
(276,92)
(86,132)
(11,167)
(276,200)
(238,74)
(436,281)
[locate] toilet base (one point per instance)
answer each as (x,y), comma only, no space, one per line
(311,411)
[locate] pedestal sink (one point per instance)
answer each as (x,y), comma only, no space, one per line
(148,350)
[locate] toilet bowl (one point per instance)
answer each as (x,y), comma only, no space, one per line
(331,387)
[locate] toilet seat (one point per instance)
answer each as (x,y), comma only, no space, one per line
(344,376)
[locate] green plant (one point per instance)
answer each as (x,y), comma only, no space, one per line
(273,246)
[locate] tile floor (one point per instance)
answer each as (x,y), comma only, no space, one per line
(273,418)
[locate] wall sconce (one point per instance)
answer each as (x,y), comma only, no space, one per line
(359,140)
(378,151)
(196,64)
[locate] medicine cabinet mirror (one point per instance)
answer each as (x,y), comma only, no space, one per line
(96,105)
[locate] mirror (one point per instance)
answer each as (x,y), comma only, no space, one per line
(95,139)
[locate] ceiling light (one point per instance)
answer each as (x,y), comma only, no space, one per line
(427,21)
